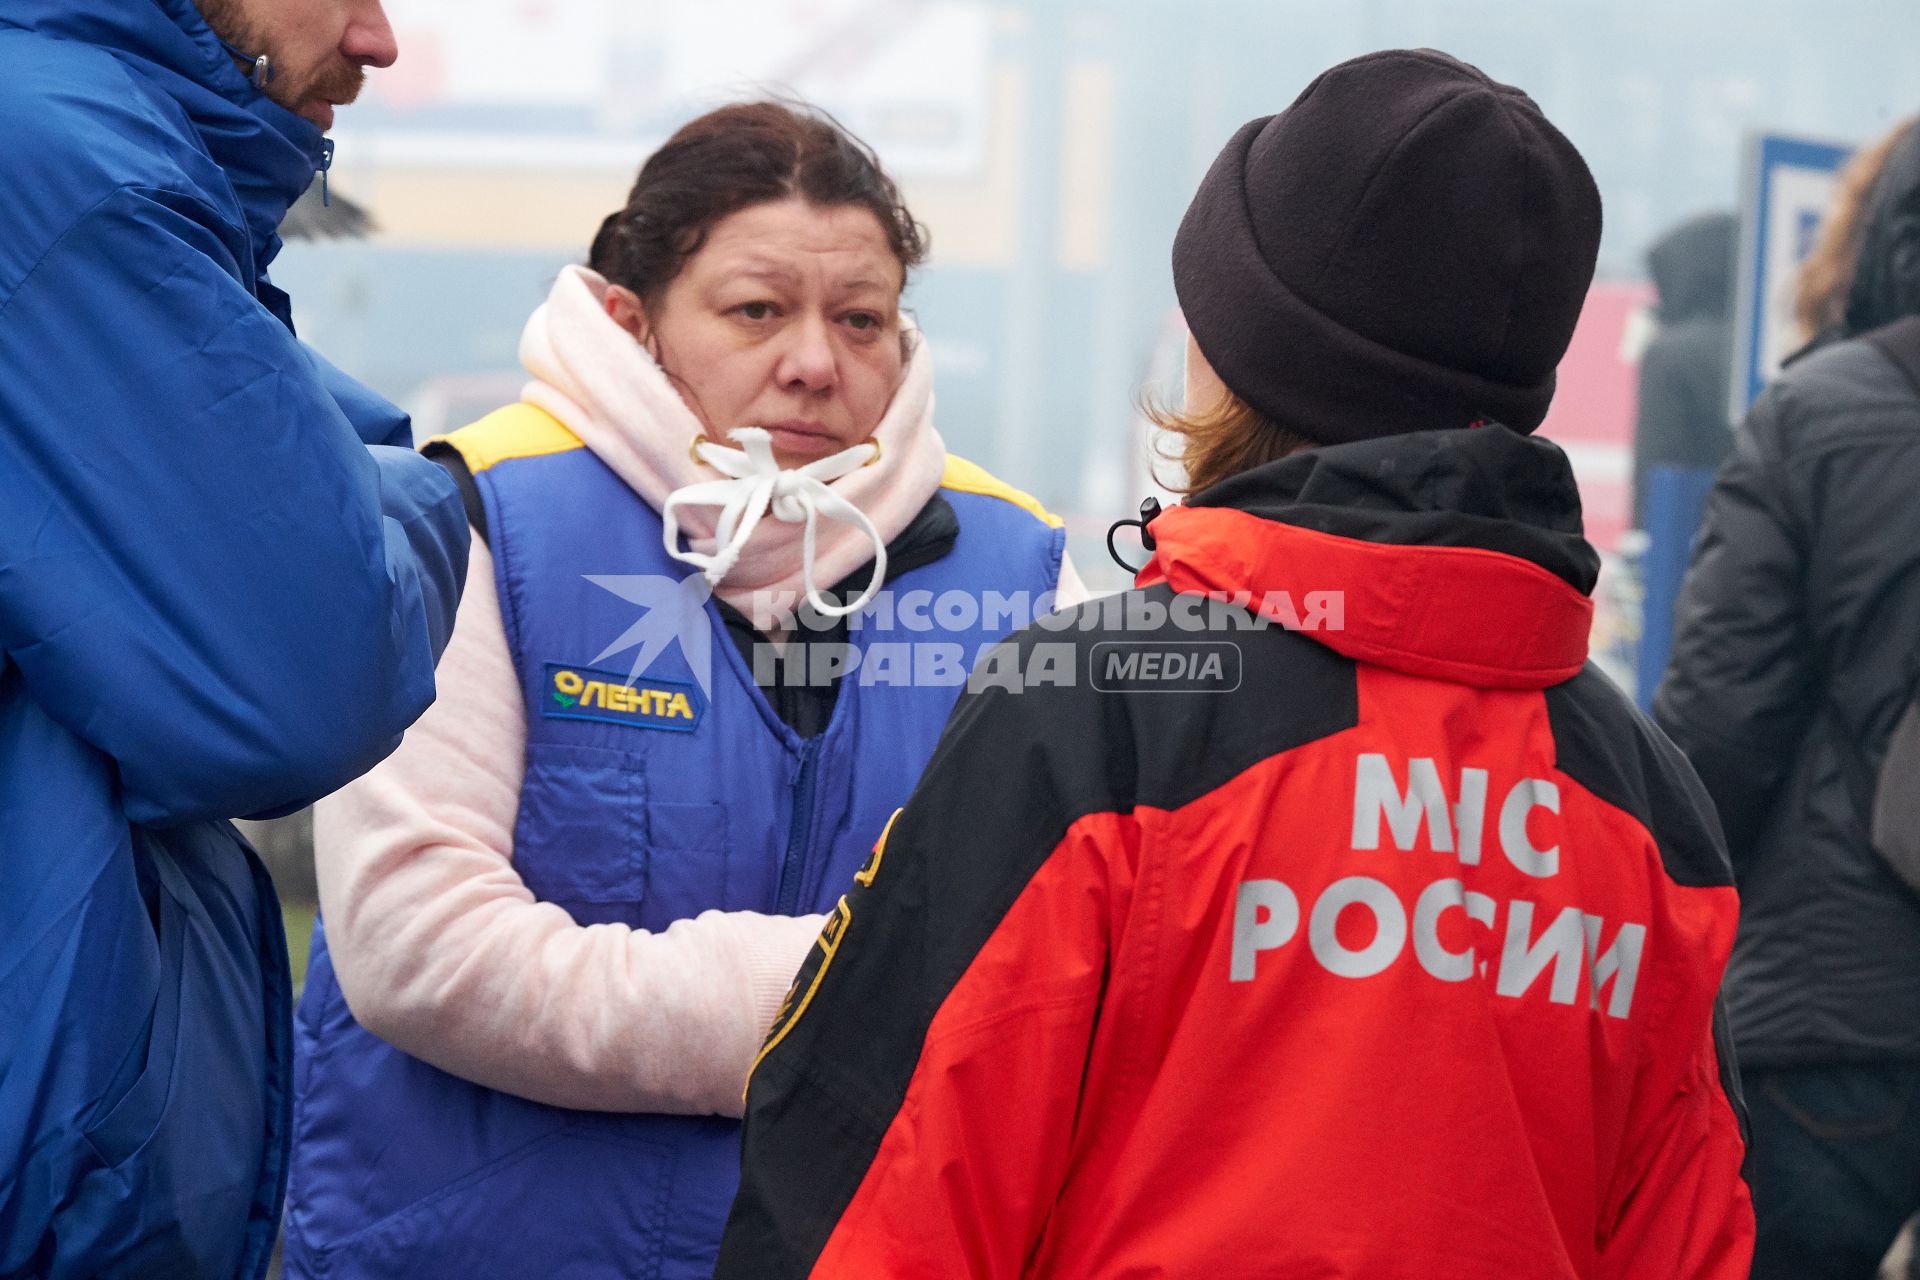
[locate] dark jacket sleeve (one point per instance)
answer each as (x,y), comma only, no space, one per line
(1739,688)
(204,572)
(942,1024)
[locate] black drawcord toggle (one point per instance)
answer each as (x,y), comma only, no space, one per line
(326,163)
(262,65)
(1149,512)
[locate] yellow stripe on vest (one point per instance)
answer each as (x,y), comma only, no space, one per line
(517,431)
(965,477)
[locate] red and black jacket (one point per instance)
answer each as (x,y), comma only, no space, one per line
(1387,946)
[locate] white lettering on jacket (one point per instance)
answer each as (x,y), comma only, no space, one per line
(1377,797)
(1522,945)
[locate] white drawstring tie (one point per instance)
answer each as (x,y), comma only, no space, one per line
(757,484)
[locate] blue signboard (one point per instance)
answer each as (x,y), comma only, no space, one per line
(1788,183)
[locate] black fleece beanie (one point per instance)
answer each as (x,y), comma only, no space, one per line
(1406,247)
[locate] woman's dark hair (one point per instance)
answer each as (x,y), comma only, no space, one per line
(730,159)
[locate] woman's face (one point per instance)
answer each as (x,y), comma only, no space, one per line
(788,318)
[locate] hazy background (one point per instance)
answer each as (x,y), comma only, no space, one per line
(1050,146)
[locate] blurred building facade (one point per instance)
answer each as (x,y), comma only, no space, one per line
(1050,145)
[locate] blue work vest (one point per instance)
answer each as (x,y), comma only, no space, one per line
(647,798)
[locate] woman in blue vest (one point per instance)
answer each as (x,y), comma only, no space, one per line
(726,585)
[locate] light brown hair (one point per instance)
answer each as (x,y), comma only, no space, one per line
(1826,277)
(1228,437)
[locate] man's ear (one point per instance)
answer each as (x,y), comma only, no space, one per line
(623,307)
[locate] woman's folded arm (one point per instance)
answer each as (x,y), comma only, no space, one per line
(441,949)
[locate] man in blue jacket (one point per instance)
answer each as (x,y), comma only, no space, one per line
(223,587)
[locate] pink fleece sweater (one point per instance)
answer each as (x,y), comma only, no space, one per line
(440,948)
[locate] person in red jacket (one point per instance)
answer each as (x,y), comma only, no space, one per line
(1314,909)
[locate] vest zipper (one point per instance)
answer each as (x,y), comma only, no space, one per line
(789,898)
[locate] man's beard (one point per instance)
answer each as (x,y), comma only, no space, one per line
(231,25)
(337,80)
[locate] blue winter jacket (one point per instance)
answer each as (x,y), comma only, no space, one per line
(215,600)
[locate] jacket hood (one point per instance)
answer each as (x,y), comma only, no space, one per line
(591,376)
(269,153)
(1886,276)
(1457,554)
(1692,267)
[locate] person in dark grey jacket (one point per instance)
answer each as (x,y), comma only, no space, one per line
(1794,656)
(1682,416)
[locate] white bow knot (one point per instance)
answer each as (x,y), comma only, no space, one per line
(755,485)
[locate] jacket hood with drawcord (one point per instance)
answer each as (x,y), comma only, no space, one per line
(590,375)
(1457,554)
(216,601)
(1185,843)
(269,154)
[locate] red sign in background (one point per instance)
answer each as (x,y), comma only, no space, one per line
(1593,408)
